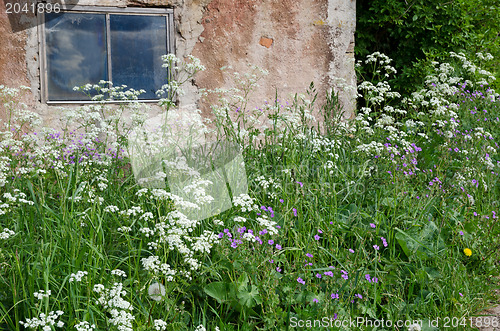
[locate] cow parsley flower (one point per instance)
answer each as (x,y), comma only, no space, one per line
(160,325)
(42,294)
(119,273)
(6,234)
(84,326)
(78,276)
(45,321)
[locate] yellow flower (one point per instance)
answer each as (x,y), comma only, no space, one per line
(467,252)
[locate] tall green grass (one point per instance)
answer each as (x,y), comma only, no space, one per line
(367,219)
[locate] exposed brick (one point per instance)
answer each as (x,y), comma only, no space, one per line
(266,42)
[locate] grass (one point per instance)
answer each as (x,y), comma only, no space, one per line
(362,221)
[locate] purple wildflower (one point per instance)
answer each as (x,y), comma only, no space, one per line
(384,242)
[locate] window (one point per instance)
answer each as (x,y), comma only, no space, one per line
(88,44)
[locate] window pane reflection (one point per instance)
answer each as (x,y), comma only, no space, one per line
(76,53)
(137,44)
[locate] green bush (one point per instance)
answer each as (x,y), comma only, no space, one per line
(416,32)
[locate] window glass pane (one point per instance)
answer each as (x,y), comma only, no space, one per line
(76,53)
(137,44)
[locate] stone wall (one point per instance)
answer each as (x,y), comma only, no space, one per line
(297,41)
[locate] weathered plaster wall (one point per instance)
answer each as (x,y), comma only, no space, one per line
(297,41)
(342,25)
(13,70)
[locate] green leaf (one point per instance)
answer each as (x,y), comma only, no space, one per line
(470,227)
(433,273)
(242,281)
(249,299)
(388,202)
(220,291)
(425,242)
(365,310)
(401,238)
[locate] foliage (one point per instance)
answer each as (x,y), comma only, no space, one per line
(391,216)
(415,32)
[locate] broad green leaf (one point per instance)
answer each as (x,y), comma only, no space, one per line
(368,311)
(242,281)
(249,299)
(424,242)
(433,273)
(220,291)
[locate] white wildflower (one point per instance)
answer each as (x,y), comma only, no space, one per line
(78,276)
(6,234)
(119,273)
(84,326)
(111,209)
(124,229)
(160,325)
(42,294)
(43,320)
